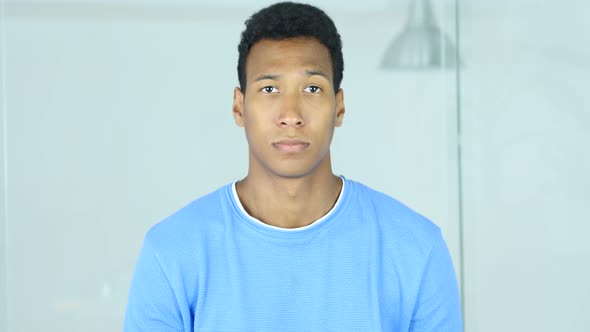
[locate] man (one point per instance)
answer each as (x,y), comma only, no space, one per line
(292,247)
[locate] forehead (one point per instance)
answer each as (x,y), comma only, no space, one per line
(292,54)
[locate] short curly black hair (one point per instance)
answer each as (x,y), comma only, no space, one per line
(289,20)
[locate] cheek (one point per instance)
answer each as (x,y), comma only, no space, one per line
(257,128)
(327,118)
(260,112)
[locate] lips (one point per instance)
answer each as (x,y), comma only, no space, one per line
(291,145)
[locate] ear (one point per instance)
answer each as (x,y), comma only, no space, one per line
(238,107)
(340,109)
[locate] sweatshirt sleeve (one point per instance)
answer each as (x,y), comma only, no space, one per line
(438,307)
(151,305)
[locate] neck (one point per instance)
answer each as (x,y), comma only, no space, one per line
(289,202)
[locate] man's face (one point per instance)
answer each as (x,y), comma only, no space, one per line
(289,109)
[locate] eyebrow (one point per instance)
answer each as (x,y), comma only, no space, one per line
(276,76)
(317,72)
(267,77)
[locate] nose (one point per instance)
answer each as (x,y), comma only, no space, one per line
(290,112)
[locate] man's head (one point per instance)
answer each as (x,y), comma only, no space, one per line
(289,103)
(290,20)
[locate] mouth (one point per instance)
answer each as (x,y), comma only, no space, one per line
(291,145)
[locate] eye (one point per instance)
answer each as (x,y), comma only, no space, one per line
(313,89)
(269,89)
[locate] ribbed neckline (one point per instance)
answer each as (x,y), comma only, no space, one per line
(290,233)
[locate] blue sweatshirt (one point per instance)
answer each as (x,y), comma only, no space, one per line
(370,264)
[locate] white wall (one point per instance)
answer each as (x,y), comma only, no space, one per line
(3,206)
(117,117)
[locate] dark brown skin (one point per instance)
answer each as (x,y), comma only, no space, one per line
(289,112)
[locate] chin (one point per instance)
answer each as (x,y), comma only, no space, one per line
(294,171)
(289,168)
(291,174)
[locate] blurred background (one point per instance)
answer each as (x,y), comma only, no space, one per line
(116,113)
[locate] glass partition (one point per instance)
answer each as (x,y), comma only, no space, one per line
(526,155)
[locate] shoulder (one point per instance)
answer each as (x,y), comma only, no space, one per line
(187,226)
(393,217)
